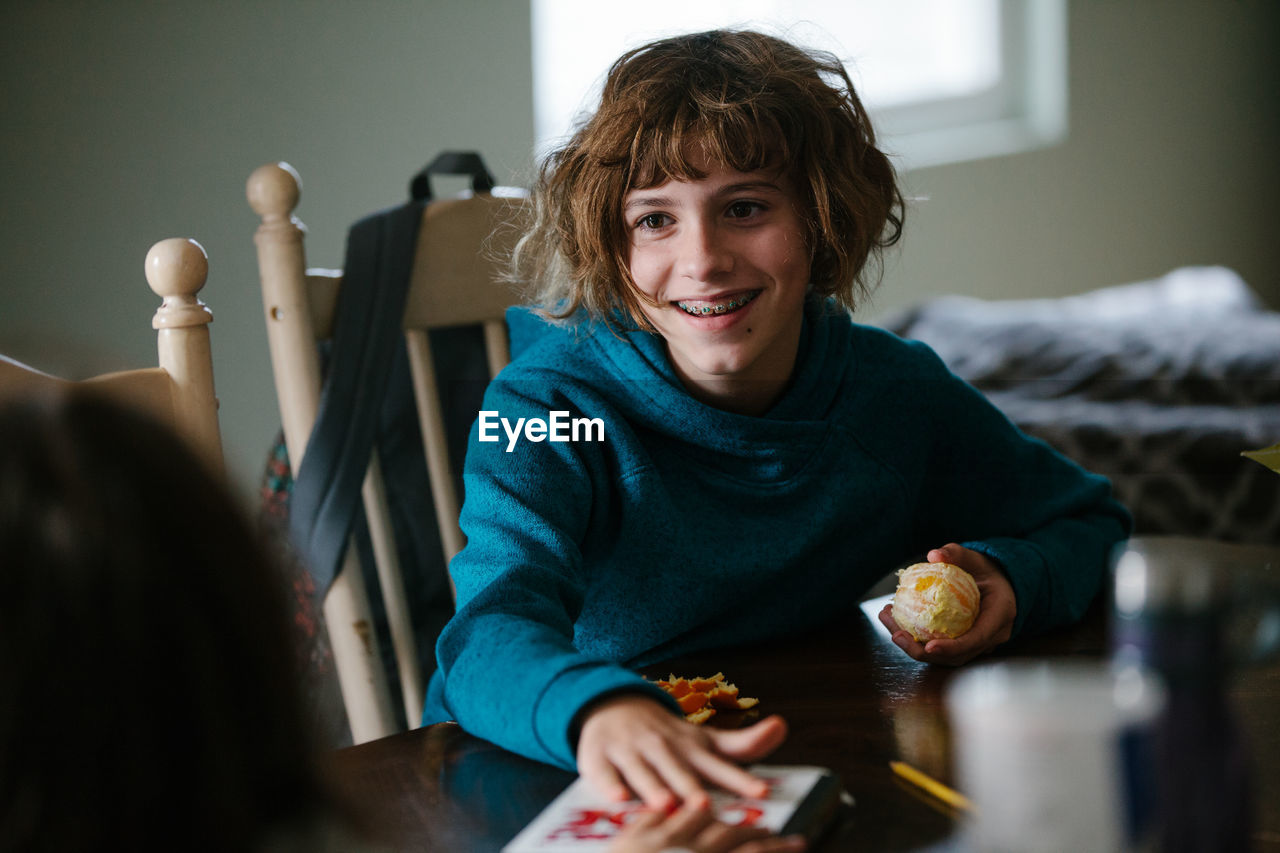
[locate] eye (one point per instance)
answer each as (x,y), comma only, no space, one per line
(744,209)
(652,221)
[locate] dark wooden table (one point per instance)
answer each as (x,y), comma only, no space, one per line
(853,700)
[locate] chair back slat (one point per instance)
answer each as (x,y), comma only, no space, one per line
(497,346)
(426,396)
(391,579)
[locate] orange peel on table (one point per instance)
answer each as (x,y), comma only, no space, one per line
(700,698)
(935,600)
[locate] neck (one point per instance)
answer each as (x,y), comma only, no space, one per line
(741,396)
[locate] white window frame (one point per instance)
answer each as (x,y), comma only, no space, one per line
(1026,109)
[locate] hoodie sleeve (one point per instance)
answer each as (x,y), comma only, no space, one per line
(508,667)
(1051,525)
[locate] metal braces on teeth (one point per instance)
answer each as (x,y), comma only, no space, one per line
(719,308)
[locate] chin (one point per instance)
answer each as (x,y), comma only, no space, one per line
(724,366)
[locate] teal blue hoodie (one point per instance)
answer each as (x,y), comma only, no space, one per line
(688,527)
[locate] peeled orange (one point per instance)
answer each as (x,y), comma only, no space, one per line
(935,600)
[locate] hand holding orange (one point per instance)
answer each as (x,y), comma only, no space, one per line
(935,600)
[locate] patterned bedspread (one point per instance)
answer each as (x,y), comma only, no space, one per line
(1158,385)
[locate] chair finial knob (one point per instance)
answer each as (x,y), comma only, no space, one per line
(273,190)
(176,269)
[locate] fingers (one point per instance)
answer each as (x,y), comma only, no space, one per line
(643,820)
(956,554)
(657,774)
(749,744)
(632,745)
(909,644)
(697,829)
(646,781)
(948,553)
(729,776)
(635,746)
(674,775)
(887,620)
(687,821)
(944,651)
(651,830)
(753,742)
(901,638)
(602,775)
(954,652)
(719,764)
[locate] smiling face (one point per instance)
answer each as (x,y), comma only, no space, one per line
(724,265)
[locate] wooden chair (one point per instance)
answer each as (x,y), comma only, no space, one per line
(180,390)
(454,282)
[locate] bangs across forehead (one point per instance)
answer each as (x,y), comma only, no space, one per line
(736,140)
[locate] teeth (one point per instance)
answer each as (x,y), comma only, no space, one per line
(706,310)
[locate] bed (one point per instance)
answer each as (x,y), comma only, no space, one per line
(1159,385)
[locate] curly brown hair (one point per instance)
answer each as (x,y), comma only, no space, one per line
(741,99)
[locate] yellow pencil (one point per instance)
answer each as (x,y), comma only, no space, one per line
(933,786)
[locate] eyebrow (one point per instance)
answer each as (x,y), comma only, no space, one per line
(648,202)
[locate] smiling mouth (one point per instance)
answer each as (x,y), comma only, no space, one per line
(698,308)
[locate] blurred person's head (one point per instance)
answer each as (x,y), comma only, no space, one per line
(151,692)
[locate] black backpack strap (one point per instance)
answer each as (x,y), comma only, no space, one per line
(326,491)
(367,401)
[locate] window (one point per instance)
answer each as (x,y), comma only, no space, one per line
(944,80)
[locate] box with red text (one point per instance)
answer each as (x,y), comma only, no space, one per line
(801,800)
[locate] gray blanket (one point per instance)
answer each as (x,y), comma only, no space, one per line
(1158,385)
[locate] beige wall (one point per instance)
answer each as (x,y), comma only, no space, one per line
(128,122)
(1171,159)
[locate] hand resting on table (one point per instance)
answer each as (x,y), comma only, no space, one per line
(634,744)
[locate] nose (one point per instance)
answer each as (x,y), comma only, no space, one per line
(704,252)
